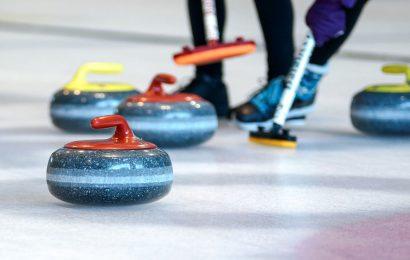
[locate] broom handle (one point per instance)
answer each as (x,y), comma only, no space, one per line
(293,79)
(210,20)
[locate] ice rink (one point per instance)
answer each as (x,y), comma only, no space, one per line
(340,195)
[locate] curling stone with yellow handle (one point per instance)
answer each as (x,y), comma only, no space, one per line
(79,101)
(384,109)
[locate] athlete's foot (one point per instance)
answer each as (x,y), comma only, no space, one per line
(212,89)
(260,109)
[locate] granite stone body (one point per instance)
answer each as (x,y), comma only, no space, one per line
(171,124)
(73,110)
(109,176)
(381,113)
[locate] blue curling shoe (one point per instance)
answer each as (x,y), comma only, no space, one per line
(260,109)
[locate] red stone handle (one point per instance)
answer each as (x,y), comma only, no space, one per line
(123,132)
(123,138)
(156,85)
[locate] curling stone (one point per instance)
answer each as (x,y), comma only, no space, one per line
(120,170)
(384,109)
(169,120)
(73,107)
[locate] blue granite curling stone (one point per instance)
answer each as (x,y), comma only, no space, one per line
(175,120)
(73,107)
(120,170)
(383,109)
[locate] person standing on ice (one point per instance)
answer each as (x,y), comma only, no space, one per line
(331,22)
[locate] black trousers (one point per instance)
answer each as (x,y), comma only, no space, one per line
(276,20)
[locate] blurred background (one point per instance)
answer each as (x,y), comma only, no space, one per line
(44,41)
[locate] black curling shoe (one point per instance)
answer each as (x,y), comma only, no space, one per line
(212,89)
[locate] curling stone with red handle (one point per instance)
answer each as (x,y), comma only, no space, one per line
(79,101)
(120,170)
(169,120)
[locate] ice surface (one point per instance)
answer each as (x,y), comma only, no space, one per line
(332,197)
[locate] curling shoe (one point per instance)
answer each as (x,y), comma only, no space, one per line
(260,109)
(212,89)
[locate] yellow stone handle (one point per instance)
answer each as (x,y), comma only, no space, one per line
(398,69)
(79,81)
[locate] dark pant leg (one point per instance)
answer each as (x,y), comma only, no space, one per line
(276,19)
(321,55)
(198,32)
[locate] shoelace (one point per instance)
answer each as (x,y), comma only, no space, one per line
(308,85)
(268,97)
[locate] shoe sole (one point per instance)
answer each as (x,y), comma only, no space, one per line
(296,117)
